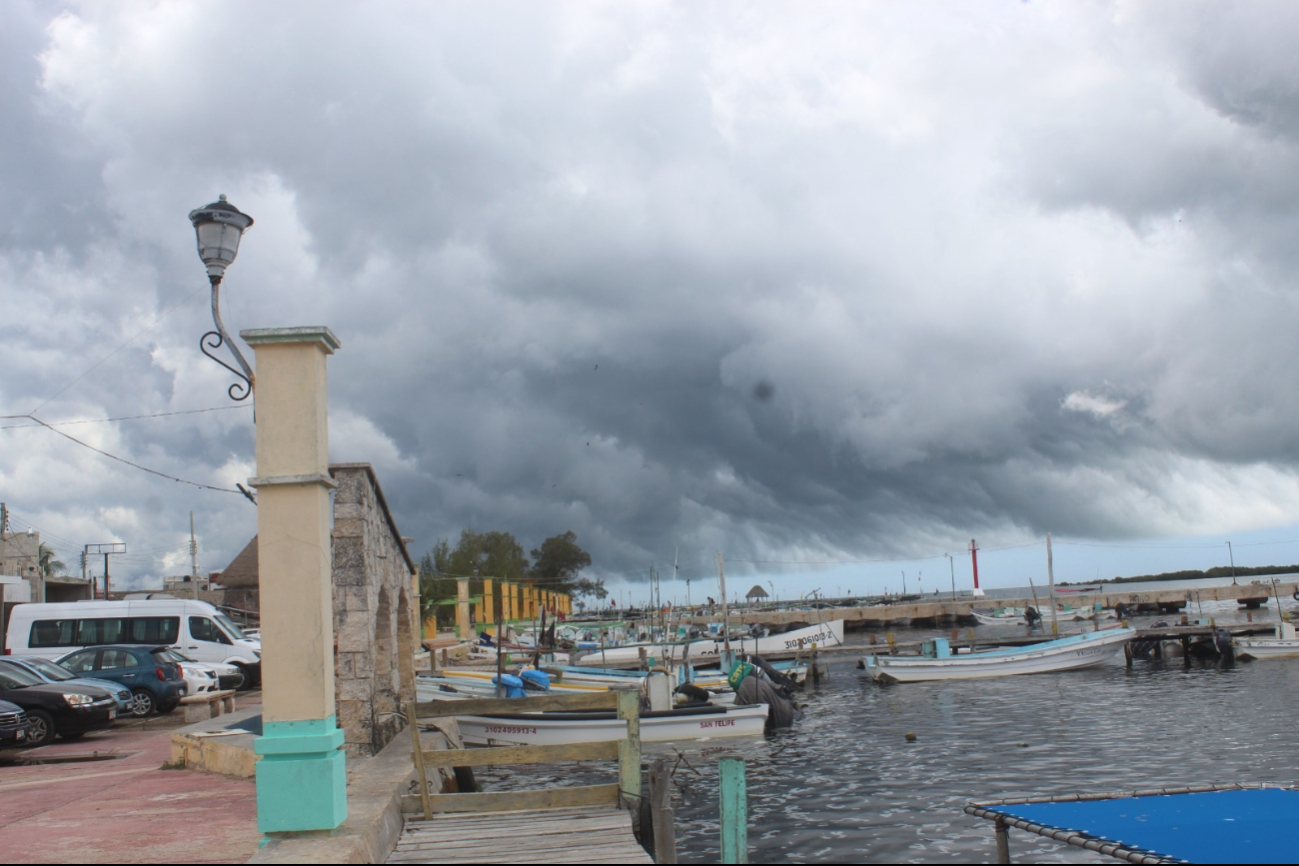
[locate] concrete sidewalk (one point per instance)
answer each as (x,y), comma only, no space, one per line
(125,810)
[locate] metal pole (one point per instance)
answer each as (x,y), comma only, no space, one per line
(1233,564)
(106,577)
(951,563)
(1050,576)
(1003,841)
(735,810)
(726,626)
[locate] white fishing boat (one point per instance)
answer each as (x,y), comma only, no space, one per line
(1016,615)
(545,729)
(1284,645)
(1067,653)
(824,635)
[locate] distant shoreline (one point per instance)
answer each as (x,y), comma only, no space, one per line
(1194,574)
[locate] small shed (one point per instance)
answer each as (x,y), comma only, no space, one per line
(756,594)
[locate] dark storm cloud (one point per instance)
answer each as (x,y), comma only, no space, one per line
(858,281)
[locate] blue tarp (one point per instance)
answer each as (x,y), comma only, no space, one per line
(1249,826)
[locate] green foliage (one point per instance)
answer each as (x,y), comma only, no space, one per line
(499,556)
(557,562)
(46,562)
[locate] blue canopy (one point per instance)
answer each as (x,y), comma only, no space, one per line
(1231,826)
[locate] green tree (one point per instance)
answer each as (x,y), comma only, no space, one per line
(556,565)
(46,562)
(477,555)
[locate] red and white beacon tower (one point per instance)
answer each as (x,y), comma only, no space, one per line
(974,560)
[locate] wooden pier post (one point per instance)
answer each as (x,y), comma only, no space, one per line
(1003,842)
(629,748)
(661,818)
(735,810)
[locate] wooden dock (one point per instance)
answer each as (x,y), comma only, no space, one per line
(574,835)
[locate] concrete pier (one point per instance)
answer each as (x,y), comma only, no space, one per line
(942,608)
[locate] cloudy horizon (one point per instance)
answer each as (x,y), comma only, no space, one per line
(829,282)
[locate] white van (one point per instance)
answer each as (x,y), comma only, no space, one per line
(196,628)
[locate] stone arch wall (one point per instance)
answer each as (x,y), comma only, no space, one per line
(372,618)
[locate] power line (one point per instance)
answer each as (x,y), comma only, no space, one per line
(198,484)
(111,420)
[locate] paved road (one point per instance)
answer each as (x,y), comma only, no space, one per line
(128,810)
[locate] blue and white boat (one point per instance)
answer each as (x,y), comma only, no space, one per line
(1067,653)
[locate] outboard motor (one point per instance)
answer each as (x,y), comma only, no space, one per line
(513,685)
(1032,616)
(1222,641)
(695,632)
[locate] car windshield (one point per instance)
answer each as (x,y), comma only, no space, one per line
(50,670)
(228,624)
(14,677)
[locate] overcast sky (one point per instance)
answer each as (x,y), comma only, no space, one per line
(822,281)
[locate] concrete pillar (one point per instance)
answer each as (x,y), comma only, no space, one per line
(301,778)
(463,631)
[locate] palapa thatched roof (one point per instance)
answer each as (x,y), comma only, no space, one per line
(757,592)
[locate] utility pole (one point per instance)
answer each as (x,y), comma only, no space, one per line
(974,561)
(951,564)
(904,583)
(108,549)
(1233,564)
(193,556)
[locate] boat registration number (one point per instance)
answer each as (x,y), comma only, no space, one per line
(808,641)
(510,729)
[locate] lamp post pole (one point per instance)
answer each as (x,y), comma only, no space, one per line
(301,777)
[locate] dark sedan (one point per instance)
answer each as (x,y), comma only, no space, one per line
(69,711)
(13,725)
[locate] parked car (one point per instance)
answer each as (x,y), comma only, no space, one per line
(53,673)
(13,725)
(224,676)
(155,681)
(55,708)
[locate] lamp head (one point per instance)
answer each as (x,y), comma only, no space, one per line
(219,226)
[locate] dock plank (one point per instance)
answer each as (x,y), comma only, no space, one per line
(592,834)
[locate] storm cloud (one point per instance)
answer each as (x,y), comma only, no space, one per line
(834,280)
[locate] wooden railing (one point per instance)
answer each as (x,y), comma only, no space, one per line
(627,751)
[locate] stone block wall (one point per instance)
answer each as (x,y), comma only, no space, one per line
(374,612)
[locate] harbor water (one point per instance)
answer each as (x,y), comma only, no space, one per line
(845,785)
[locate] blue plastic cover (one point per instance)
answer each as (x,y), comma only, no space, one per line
(513,685)
(540,678)
(1249,826)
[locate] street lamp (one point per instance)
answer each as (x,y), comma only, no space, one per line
(219,226)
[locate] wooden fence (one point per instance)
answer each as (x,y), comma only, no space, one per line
(626,790)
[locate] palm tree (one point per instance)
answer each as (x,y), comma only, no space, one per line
(47,563)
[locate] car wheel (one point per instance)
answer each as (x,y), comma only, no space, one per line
(249,681)
(41,732)
(142,703)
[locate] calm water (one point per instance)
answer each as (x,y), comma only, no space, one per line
(844,785)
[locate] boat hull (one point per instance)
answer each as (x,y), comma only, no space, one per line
(824,635)
(1264,648)
(552,729)
(1083,651)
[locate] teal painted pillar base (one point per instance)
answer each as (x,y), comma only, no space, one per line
(302,777)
